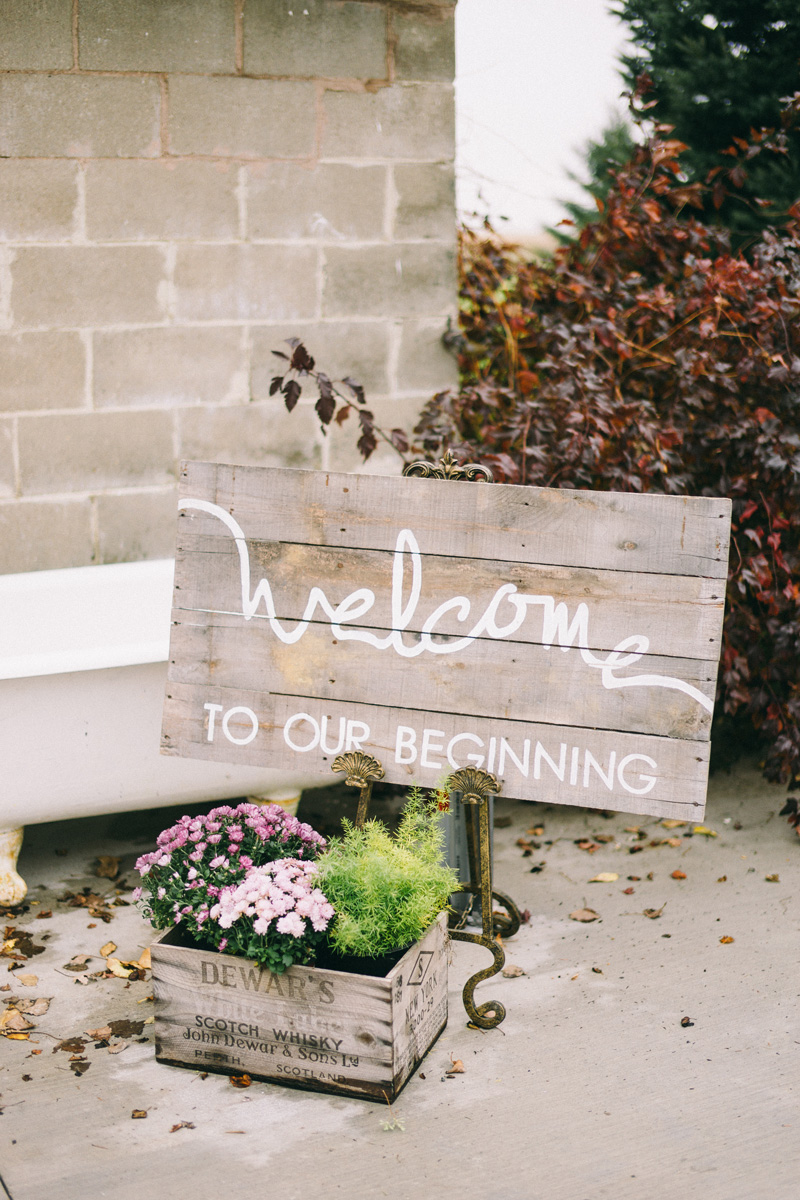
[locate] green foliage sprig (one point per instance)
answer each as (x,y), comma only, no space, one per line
(386,891)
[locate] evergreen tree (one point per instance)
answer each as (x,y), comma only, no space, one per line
(721,69)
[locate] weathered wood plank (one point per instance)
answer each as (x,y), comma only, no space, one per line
(524,625)
(311,1028)
(551,763)
(488,678)
(679,615)
(671,535)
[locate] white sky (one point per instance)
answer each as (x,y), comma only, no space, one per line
(535,79)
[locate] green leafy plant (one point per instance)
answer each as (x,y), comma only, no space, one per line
(386,891)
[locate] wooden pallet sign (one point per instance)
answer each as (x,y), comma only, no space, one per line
(566,641)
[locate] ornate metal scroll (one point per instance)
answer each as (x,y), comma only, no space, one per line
(475,787)
(448,468)
(362,770)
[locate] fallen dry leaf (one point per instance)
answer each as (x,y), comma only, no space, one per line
(584,844)
(71,1045)
(456,1066)
(115,967)
(77,963)
(44,915)
(673,841)
(138,1114)
(125,1028)
(704,831)
(117,1047)
(726,941)
(772,878)
(18,1037)
(182,1125)
(241,1081)
(536,830)
(99,1035)
(669,823)
(633,829)
(584,914)
(605,877)
(722,879)
(678,874)
(107,866)
(144,959)
(108,949)
(27,980)
(628,891)
(686,1022)
(81,1066)
(654,913)
(12,1021)
(597,971)
(34,1008)
(512,971)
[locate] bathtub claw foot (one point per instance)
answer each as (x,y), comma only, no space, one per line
(13,888)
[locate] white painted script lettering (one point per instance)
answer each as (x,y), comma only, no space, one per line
(557,628)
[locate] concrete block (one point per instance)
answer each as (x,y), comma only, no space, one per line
(79,116)
(356,348)
(315,38)
(329,201)
(248,118)
(425,365)
(168,366)
(413,120)
(37,200)
(86,285)
(161,200)
(44,535)
(8,480)
(425,45)
(390,281)
(262,434)
(41,370)
(36,37)
(151,35)
(78,452)
(244,283)
(136,525)
(426,201)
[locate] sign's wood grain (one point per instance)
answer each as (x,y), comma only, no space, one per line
(325,1030)
(551,635)
(668,535)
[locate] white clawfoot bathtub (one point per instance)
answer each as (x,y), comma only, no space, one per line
(83,665)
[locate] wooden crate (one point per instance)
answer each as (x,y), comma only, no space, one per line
(330,1031)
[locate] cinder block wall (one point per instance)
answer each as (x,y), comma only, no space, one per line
(183,184)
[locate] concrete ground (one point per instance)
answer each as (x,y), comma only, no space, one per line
(594,1087)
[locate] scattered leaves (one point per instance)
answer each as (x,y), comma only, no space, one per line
(108,949)
(772,878)
(27,980)
(722,879)
(704,831)
(241,1081)
(456,1066)
(726,941)
(669,823)
(654,913)
(686,1022)
(139,1114)
(628,891)
(182,1125)
(678,875)
(605,877)
(71,1045)
(512,971)
(597,971)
